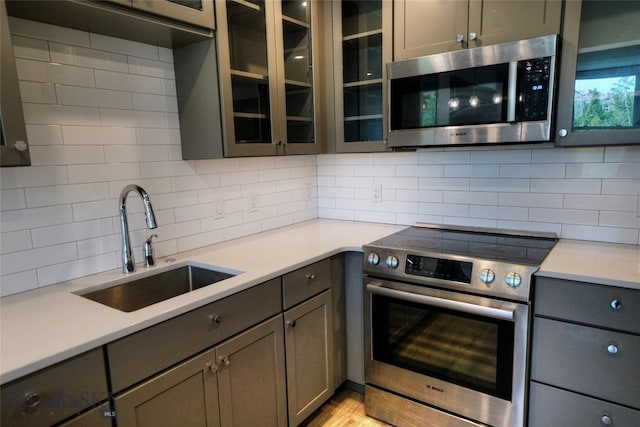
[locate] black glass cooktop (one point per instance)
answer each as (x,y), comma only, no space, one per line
(490,244)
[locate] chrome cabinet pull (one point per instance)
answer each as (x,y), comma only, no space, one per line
(291,323)
(615,304)
(473,36)
(215,318)
(612,348)
(310,276)
(225,360)
(459,38)
(606,420)
(213,368)
(32,401)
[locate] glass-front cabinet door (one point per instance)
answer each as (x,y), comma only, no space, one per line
(361,101)
(197,12)
(267,77)
(599,90)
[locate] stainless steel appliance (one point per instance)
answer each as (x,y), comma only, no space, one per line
(447,314)
(494,94)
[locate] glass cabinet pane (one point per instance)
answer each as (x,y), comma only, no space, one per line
(608,70)
(249,72)
(599,87)
(364,58)
(193,4)
(361,16)
(298,71)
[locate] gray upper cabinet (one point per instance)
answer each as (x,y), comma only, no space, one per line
(267,77)
(14,149)
(158,22)
(599,86)
(362,34)
(426,27)
(196,12)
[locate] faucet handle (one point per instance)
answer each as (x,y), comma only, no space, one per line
(149,255)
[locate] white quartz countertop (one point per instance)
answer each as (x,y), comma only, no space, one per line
(48,325)
(595,262)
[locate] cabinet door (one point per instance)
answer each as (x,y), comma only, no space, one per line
(599,88)
(251,377)
(309,342)
(246,42)
(185,395)
(196,12)
(499,21)
(425,27)
(295,24)
(363,32)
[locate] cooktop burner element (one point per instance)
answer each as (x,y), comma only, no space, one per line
(475,260)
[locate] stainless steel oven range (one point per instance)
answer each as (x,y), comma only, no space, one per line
(447,325)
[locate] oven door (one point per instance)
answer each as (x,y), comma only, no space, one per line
(461,353)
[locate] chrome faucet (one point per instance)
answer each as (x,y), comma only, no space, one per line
(128,261)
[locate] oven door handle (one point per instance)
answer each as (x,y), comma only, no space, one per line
(464,307)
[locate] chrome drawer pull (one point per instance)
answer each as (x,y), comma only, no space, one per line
(32,401)
(215,318)
(606,420)
(615,304)
(310,276)
(612,349)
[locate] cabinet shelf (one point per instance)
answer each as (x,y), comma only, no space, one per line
(248,4)
(299,119)
(362,83)
(359,118)
(248,75)
(362,35)
(295,22)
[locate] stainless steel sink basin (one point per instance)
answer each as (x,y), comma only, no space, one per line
(145,291)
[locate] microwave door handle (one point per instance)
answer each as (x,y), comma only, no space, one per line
(512,84)
(464,307)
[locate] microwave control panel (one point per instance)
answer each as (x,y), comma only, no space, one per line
(535,88)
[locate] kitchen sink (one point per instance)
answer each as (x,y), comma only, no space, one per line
(145,291)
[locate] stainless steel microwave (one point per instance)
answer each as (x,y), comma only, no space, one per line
(494,94)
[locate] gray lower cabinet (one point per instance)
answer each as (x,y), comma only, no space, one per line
(310,356)
(585,352)
(240,382)
(57,393)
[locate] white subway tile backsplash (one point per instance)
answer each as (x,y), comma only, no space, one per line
(66,155)
(131,118)
(89,58)
(601,234)
(443,209)
(420,171)
(25,219)
(126,47)
(19,282)
(151,68)
(511,185)
(629,154)
(532,171)
(568,155)
(471,198)
(564,216)
(49,72)
(471,171)
(30,48)
(48,236)
(499,212)
(426,157)
(566,186)
(39,93)
(136,153)
(65,194)
(41,114)
(158,137)
(620,219)
(534,200)
(150,102)
(12,199)
(604,170)
(15,241)
(165,54)
(601,202)
(96,135)
(34,258)
(128,82)
(500,156)
(621,187)
(428,196)
(83,174)
(91,97)
(44,134)
(70,270)
(85,211)
(453,184)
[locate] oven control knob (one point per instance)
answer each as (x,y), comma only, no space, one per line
(513,280)
(487,276)
(392,262)
(373,258)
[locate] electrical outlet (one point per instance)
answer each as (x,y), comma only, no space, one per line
(218,208)
(376,193)
(253,201)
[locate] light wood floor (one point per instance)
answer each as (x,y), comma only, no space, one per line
(345,409)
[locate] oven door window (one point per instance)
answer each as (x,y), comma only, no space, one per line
(467,350)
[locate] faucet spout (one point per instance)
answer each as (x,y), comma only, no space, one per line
(128,260)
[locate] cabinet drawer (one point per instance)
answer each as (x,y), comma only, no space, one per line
(305,282)
(55,393)
(138,356)
(550,406)
(578,358)
(606,306)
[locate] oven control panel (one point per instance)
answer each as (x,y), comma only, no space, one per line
(474,275)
